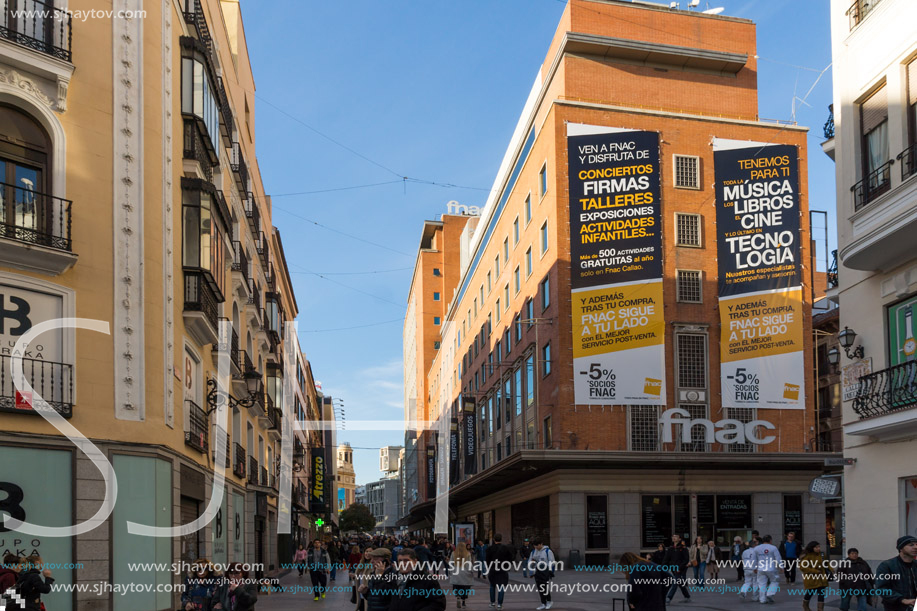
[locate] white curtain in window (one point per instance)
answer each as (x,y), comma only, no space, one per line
(877,142)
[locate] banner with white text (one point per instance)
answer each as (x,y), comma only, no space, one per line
(761,301)
(616,260)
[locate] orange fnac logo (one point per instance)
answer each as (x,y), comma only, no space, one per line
(791,392)
(652,386)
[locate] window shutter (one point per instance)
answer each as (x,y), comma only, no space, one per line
(874,110)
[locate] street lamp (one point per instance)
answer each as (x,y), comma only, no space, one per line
(847,338)
(834,356)
(217,398)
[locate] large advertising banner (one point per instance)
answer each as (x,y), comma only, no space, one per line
(616,260)
(761,315)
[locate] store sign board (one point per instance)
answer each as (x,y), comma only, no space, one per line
(850,377)
(725,432)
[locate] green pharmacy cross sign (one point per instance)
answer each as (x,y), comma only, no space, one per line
(319,522)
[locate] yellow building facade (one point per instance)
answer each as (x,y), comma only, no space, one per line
(133,198)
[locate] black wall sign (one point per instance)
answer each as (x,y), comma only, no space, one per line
(431,472)
(317,494)
(453,453)
(657,520)
(733,511)
(470,435)
(792,515)
(705,509)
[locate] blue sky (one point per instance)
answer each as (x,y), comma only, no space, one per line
(431,91)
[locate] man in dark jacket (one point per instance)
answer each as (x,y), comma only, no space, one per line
(789,550)
(525,550)
(418,590)
(424,555)
(676,560)
(30,584)
(495,557)
(854,579)
(899,575)
(648,583)
(382,583)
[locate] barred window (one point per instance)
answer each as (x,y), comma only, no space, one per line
(692,360)
(688,229)
(744,415)
(698,441)
(687,172)
(644,428)
(689,286)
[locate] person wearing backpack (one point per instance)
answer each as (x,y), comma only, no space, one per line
(541,562)
(31,585)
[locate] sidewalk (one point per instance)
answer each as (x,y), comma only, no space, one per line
(524,601)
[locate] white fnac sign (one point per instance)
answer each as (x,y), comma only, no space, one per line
(726,432)
(453,207)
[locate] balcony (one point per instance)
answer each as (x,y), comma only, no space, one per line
(257,409)
(831,276)
(239,385)
(263,480)
(196,149)
(228,345)
(828,145)
(53,382)
(44,28)
(197,435)
(885,403)
(262,248)
(194,16)
(238,460)
(226,123)
(270,276)
(240,269)
(885,217)
(228,458)
(876,183)
(35,230)
(238,167)
(252,213)
(859,10)
(276,427)
(201,306)
(252,471)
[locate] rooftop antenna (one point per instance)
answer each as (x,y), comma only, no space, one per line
(673,5)
(693,3)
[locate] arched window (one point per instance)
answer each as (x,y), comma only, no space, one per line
(25,152)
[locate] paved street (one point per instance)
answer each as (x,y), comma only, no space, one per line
(580,601)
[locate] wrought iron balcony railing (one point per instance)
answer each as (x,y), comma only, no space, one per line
(231,345)
(908,159)
(34,218)
(252,470)
(254,293)
(53,382)
(238,460)
(200,297)
(196,150)
(261,247)
(228,457)
(875,184)
(263,480)
(198,433)
(832,270)
(829,124)
(239,169)
(859,10)
(225,113)
(240,260)
(252,213)
(194,15)
(276,417)
(886,391)
(40,26)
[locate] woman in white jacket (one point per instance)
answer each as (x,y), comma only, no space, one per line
(542,563)
(461,574)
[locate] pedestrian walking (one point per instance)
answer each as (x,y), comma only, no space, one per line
(299,559)
(525,550)
(418,590)
(199,585)
(461,574)
(789,550)
(896,578)
(698,555)
(658,557)
(735,554)
(334,552)
(768,566)
(713,560)
(855,579)
(34,580)
(424,555)
(480,556)
(319,562)
(497,558)
(542,564)
(677,560)
(362,571)
(235,593)
(749,567)
(647,583)
(9,572)
(815,575)
(378,580)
